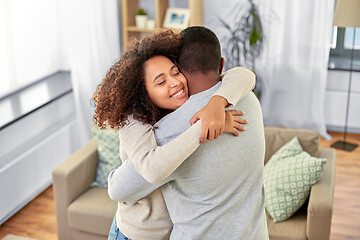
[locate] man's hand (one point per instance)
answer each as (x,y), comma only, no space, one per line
(233,122)
(212,118)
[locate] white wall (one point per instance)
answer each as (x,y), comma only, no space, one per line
(336,101)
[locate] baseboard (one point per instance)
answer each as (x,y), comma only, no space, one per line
(341,129)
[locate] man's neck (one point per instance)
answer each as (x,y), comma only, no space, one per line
(198,81)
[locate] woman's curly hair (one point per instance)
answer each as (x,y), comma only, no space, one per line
(122,92)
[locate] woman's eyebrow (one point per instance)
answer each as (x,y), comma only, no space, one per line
(161,74)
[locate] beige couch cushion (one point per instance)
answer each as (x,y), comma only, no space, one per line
(294,228)
(92,212)
(276,137)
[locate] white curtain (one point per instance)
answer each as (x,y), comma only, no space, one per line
(29,40)
(90,30)
(293,64)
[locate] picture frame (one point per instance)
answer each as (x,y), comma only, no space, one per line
(178,18)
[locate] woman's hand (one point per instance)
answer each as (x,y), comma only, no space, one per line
(212,118)
(233,122)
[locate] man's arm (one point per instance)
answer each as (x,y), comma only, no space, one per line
(128,186)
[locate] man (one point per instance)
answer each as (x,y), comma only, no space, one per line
(217,193)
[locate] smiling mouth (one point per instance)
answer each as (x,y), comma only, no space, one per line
(178,94)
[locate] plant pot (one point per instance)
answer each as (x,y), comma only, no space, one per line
(141,21)
(150,24)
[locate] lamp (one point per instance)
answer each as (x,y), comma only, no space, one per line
(347,14)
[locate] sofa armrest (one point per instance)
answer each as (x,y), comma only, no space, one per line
(70,179)
(321,199)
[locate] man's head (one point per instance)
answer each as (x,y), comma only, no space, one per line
(200,51)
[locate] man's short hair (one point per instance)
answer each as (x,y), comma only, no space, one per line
(200,50)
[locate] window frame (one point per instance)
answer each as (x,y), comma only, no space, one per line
(339,50)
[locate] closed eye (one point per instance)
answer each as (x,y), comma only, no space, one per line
(161,82)
(175,71)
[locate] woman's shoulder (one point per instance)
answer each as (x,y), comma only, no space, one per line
(134,124)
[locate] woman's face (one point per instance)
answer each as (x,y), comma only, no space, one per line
(166,86)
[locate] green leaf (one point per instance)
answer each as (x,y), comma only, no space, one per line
(141,11)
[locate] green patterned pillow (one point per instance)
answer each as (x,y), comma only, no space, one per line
(288,177)
(108,154)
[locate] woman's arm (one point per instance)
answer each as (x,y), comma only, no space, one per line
(155,162)
(236,83)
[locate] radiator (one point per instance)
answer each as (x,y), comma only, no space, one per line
(25,170)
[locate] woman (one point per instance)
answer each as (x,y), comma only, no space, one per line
(143,86)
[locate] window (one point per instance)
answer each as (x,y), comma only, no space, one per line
(29,42)
(342,42)
(341,48)
(349,38)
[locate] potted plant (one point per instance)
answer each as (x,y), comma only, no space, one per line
(141,18)
(244,40)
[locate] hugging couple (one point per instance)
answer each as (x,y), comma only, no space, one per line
(167,96)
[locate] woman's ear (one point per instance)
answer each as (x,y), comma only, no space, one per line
(222,63)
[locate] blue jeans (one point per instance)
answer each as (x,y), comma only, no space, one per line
(115,233)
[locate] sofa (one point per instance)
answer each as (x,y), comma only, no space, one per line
(85,212)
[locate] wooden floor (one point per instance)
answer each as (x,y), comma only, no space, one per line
(346,208)
(37,219)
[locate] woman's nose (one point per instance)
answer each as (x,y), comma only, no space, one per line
(174,82)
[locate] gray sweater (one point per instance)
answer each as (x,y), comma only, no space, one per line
(217,193)
(149,219)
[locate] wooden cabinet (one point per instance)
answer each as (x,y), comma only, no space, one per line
(128,12)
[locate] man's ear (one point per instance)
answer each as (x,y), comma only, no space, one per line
(222,63)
